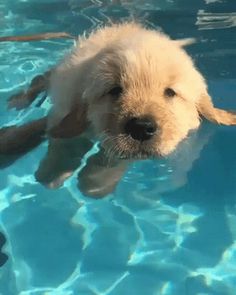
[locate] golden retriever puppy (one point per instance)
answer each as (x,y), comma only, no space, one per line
(142,91)
(135,90)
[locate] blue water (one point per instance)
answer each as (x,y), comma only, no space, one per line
(170,227)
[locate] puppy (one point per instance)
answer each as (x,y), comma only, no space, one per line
(133,89)
(142,91)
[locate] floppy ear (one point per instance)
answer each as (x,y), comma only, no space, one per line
(73,124)
(185,42)
(207,110)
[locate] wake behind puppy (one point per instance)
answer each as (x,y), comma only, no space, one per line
(134,89)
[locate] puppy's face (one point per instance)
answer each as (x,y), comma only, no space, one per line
(142,100)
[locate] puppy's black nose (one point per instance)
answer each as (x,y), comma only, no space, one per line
(141,128)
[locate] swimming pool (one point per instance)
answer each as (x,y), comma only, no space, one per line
(170,227)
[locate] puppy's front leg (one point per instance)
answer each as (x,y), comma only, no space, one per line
(68,142)
(62,159)
(101,175)
(23,99)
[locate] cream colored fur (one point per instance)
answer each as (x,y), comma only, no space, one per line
(143,62)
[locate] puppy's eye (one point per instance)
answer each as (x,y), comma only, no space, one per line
(169,92)
(116,91)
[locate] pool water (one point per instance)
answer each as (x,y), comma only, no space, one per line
(170,226)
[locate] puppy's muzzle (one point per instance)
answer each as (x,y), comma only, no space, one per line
(141,129)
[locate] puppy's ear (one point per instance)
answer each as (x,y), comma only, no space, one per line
(207,110)
(185,42)
(73,124)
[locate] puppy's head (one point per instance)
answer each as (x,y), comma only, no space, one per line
(144,95)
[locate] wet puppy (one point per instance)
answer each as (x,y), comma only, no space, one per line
(135,90)
(142,91)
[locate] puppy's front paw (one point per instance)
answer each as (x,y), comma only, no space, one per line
(23,99)
(51,180)
(18,101)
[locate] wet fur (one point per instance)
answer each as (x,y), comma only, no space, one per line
(144,63)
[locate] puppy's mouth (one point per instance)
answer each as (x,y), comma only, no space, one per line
(131,138)
(125,147)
